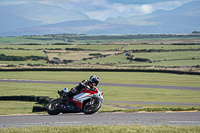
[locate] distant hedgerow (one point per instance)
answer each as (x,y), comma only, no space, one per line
(4,57)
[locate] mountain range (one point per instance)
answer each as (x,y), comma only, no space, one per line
(40,19)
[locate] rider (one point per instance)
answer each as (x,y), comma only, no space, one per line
(90,85)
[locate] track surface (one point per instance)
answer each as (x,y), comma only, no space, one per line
(184,118)
(105,84)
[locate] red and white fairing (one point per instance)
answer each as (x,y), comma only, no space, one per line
(84,95)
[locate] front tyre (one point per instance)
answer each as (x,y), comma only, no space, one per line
(92,106)
(53,107)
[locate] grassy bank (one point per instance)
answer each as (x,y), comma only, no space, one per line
(105,129)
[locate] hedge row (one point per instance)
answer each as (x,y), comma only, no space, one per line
(3,57)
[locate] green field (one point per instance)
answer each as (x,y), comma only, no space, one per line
(33,47)
(27,40)
(161,57)
(108,77)
(178,58)
(85,39)
(164,47)
(18,63)
(178,63)
(101,46)
(22,52)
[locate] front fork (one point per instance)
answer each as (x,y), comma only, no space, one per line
(92,100)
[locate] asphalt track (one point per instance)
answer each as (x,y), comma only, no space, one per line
(178,118)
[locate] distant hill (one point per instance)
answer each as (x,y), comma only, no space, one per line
(48,14)
(184,19)
(34,14)
(13,21)
(74,27)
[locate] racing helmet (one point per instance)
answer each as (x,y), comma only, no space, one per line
(94,80)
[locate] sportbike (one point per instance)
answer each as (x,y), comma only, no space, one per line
(86,101)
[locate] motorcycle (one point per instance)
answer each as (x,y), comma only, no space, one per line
(86,101)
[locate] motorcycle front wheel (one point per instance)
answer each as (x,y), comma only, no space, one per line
(53,107)
(92,106)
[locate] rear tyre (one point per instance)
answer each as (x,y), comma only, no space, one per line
(92,106)
(53,107)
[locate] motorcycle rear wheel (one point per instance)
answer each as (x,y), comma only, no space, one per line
(53,107)
(90,108)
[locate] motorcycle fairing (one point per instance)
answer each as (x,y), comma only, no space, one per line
(78,99)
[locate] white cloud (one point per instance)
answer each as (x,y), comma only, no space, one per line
(117,10)
(146,8)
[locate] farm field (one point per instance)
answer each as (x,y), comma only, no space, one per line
(21,52)
(33,47)
(160,46)
(99,46)
(78,55)
(154,57)
(104,39)
(82,51)
(27,40)
(178,63)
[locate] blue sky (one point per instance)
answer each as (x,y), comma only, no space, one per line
(103,9)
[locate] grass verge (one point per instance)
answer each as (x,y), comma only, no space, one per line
(104,129)
(153,110)
(16,107)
